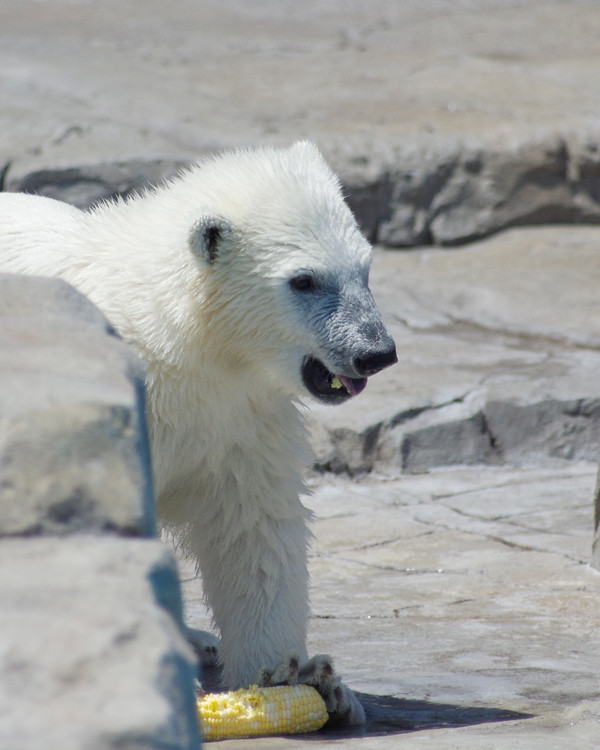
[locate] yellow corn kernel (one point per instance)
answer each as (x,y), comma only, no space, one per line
(255,711)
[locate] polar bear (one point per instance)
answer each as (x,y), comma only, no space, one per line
(243,284)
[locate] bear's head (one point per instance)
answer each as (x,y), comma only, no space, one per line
(285,274)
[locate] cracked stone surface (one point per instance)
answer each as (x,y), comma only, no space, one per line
(465,597)
(223,74)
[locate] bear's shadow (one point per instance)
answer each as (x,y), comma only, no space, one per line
(388,715)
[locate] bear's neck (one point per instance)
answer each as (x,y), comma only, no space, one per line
(252,447)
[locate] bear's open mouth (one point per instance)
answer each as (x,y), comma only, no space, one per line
(326,386)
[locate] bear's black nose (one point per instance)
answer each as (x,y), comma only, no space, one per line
(373,362)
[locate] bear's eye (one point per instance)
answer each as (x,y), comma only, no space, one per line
(304,282)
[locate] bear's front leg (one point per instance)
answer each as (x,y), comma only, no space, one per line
(255,579)
(256,582)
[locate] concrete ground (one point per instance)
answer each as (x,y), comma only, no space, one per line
(460,604)
(451,584)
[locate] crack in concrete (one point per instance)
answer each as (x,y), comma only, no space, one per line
(537,530)
(387,542)
(500,540)
(407,571)
(409,414)
(518,482)
(509,520)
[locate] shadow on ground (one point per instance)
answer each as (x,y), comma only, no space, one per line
(387,715)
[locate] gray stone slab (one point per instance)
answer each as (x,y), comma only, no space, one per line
(73,446)
(460,190)
(92,654)
(215,73)
(459,603)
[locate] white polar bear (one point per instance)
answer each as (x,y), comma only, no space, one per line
(242,284)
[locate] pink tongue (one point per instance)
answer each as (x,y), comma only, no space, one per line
(354,386)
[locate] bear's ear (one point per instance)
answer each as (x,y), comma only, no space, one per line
(207,236)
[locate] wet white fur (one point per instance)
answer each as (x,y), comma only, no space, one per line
(223,346)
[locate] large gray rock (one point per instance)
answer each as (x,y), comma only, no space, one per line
(73,446)
(92,655)
(504,432)
(91,647)
(454,193)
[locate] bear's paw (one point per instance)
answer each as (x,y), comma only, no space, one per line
(342,705)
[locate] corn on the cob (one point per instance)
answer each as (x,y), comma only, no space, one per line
(255,711)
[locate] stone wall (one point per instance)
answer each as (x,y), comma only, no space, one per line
(91,647)
(444,194)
